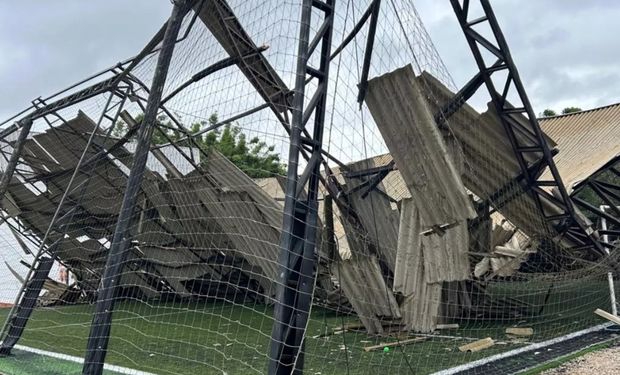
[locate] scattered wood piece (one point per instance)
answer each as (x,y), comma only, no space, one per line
(349,326)
(341,329)
(394,343)
(477,345)
(447,326)
(520,331)
(604,314)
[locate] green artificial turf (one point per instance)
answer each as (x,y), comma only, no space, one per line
(26,363)
(218,338)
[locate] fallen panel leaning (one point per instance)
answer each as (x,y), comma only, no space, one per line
(374,209)
(424,263)
(416,144)
(361,280)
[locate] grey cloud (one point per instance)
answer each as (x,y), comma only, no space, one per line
(48,45)
(565,49)
(552,42)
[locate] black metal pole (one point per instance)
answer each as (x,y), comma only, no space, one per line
(370,42)
(17,150)
(17,320)
(298,256)
(98,339)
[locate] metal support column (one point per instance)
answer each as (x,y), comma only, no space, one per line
(19,318)
(298,258)
(370,42)
(98,339)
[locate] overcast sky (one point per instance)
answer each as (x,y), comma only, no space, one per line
(566,50)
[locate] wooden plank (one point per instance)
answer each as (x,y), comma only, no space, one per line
(520,331)
(604,314)
(395,343)
(477,345)
(447,326)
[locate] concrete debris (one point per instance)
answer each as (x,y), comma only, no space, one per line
(510,248)
(520,331)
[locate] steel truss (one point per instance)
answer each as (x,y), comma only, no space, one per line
(567,223)
(120,84)
(603,184)
(38,270)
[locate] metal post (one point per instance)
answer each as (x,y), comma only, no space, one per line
(98,339)
(610,275)
(17,150)
(370,42)
(298,257)
(27,304)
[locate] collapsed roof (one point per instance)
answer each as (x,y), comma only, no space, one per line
(214,231)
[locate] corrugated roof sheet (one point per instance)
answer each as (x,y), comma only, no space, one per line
(423,263)
(586,141)
(375,211)
(185,224)
(402,115)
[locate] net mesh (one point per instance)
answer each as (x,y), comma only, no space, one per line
(445,250)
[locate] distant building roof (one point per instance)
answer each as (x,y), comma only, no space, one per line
(586,140)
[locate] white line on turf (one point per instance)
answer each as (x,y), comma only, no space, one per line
(510,353)
(66,357)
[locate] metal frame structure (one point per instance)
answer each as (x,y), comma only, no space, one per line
(610,275)
(38,270)
(608,193)
(568,224)
(298,259)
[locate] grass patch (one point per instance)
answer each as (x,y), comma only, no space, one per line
(39,365)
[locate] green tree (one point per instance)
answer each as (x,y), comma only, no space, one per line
(255,158)
(568,110)
(549,113)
